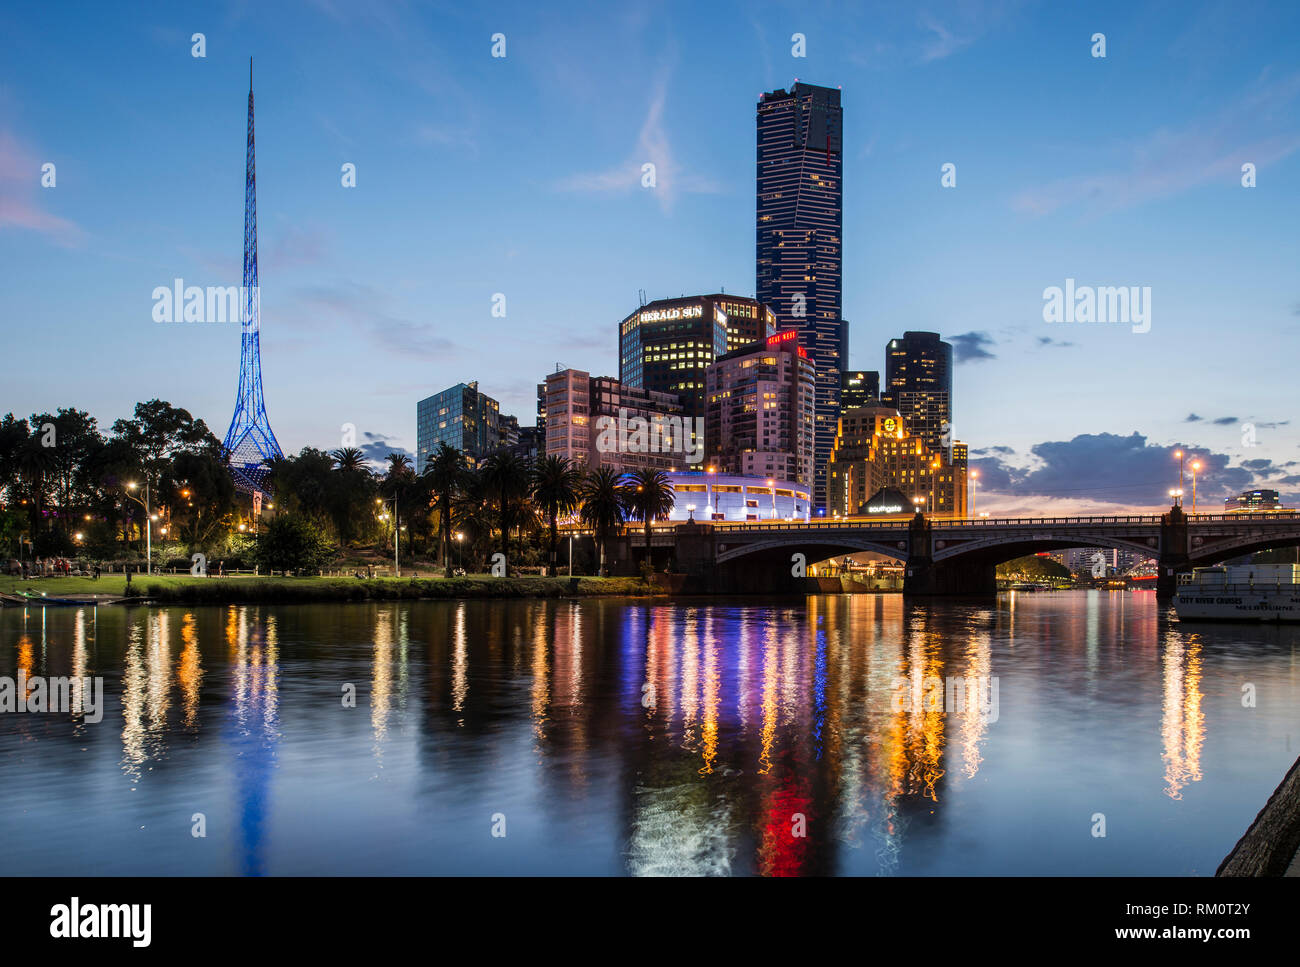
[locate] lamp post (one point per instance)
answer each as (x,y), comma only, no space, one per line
(1179,455)
(1196,466)
(771,484)
(918,501)
(974,479)
(397,536)
(148,525)
(1177,496)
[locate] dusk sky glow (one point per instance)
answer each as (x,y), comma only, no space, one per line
(521,175)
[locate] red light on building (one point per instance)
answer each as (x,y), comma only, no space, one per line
(778,339)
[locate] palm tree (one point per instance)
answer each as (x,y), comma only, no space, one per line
(602,505)
(399,464)
(507,475)
(445,468)
(471,510)
(650,497)
(555,490)
(348,458)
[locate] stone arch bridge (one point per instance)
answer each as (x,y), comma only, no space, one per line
(944,556)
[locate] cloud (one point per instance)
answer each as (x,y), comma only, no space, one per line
(970,346)
(1049,341)
(378,446)
(943,44)
(1225,421)
(1169,161)
(1110,473)
(362,307)
(20,184)
(1193,418)
(654,147)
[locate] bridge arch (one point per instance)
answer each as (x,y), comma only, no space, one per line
(1009,547)
(814,550)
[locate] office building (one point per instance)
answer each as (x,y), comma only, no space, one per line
(874,450)
(761,409)
(666,345)
(799,222)
(859,388)
(595,421)
(461,417)
(918,384)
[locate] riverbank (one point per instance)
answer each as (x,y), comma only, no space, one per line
(184,589)
(1271,847)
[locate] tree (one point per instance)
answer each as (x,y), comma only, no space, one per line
(555,490)
(507,474)
(348,458)
(291,542)
(445,470)
(201,494)
(603,505)
(650,497)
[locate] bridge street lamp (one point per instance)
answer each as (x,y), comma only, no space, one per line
(1179,455)
(1177,496)
(1196,466)
(974,477)
(771,485)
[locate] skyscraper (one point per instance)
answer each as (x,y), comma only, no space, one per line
(799,222)
(918,383)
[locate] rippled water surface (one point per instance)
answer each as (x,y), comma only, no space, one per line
(625,737)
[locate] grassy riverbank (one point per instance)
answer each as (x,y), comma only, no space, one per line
(183,589)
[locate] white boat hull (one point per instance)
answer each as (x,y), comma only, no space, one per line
(1212,605)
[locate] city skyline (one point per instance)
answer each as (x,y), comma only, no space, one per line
(351,301)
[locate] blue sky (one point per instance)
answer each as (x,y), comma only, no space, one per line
(521,175)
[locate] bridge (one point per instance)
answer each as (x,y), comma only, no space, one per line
(940,556)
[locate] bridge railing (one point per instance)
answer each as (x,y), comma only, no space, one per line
(840,523)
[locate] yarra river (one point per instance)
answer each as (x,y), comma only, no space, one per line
(619,736)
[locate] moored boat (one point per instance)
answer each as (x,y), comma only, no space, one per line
(1246,592)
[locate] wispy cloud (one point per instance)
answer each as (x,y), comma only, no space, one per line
(20,185)
(654,147)
(1170,161)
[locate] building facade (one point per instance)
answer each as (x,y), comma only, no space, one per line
(707,497)
(1255,502)
(859,388)
(874,450)
(666,345)
(595,421)
(760,419)
(918,384)
(461,417)
(798,236)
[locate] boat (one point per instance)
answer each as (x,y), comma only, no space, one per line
(1244,592)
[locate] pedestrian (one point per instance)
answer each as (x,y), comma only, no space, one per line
(128,576)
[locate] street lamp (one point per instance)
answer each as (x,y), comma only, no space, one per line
(918,501)
(1196,466)
(1177,496)
(772,486)
(974,479)
(1179,455)
(148,518)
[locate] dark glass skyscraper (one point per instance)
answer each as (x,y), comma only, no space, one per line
(798,239)
(918,383)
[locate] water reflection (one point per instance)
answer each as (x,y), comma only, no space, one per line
(702,737)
